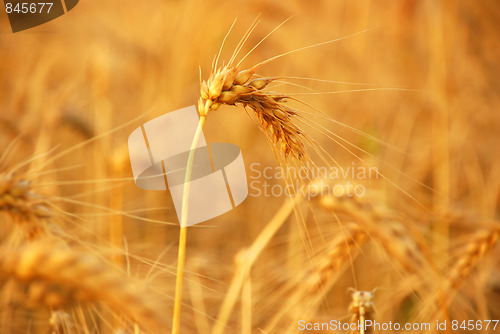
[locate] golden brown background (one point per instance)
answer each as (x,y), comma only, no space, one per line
(81,83)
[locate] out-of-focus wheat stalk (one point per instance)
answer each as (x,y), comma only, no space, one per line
(246,259)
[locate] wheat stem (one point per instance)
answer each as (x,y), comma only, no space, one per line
(247,258)
(183,231)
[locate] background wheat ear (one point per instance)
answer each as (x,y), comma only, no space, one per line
(27,209)
(57,277)
(479,245)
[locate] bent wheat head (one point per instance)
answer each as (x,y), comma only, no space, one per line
(228,85)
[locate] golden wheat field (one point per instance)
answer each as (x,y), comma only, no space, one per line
(370,135)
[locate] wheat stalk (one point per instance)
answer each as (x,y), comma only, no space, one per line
(181,258)
(231,86)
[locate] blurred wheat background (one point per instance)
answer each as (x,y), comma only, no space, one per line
(83,250)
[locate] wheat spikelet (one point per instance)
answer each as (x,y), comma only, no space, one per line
(56,277)
(228,85)
(361,308)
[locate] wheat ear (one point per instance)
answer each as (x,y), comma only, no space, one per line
(231,86)
(399,240)
(482,242)
(57,277)
(27,208)
(479,245)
